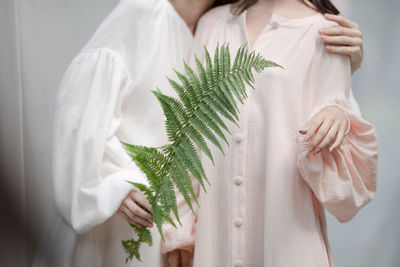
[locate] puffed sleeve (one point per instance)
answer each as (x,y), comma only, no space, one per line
(90,166)
(345,179)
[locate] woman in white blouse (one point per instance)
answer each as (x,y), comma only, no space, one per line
(105,96)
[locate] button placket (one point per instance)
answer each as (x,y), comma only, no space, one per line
(239,150)
(239,186)
(238,204)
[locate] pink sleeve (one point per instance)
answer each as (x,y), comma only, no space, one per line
(345,179)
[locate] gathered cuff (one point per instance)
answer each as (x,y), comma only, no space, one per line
(345,179)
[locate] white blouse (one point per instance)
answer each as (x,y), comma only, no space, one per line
(104,97)
(265,205)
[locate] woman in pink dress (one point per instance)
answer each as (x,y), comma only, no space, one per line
(301,148)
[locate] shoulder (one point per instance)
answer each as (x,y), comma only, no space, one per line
(141,5)
(322,22)
(320,50)
(92,55)
(126,22)
(97,60)
(210,22)
(213,15)
(137,7)
(318,23)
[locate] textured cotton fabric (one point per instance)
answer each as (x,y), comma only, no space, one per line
(104,97)
(266,202)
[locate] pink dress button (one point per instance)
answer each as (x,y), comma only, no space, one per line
(238,180)
(238,222)
(238,263)
(238,138)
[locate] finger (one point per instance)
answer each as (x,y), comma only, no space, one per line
(332,31)
(173,258)
(142,221)
(123,215)
(339,139)
(138,211)
(329,137)
(130,218)
(322,131)
(343,50)
(341,40)
(136,219)
(186,257)
(314,124)
(342,20)
(141,199)
(126,218)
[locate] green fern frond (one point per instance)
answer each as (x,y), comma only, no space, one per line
(204,100)
(132,246)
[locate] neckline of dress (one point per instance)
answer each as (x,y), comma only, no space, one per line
(281,20)
(181,20)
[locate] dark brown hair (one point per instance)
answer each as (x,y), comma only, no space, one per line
(322,6)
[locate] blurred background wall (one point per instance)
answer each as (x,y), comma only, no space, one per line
(38,40)
(372,238)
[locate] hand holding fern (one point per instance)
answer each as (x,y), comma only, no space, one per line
(130,209)
(328,126)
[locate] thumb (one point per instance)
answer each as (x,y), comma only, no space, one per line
(186,257)
(173,258)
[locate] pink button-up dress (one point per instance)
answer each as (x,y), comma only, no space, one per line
(265,205)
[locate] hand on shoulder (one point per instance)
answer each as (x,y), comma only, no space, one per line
(345,39)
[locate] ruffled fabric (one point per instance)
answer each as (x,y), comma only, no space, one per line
(345,179)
